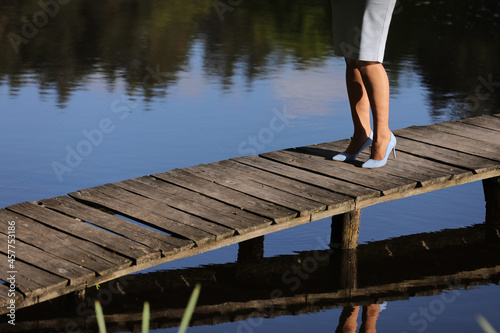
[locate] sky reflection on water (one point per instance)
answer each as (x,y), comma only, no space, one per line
(223,82)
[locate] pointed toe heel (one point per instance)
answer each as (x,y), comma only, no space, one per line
(391,146)
(343,157)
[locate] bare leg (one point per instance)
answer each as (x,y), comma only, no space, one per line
(360,106)
(348,321)
(369,318)
(368,86)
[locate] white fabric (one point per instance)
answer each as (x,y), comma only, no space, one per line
(360,28)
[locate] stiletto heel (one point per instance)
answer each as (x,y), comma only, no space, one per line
(391,146)
(343,157)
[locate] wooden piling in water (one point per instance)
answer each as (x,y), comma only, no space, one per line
(345,230)
(491,189)
(251,250)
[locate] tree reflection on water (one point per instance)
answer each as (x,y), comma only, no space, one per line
(452,45)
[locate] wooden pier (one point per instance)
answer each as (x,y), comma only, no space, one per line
(68,243)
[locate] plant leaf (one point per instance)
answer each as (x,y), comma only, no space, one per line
(100,317)
(190,309)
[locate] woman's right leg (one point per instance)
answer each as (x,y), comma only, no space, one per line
(348,321)
(360,106)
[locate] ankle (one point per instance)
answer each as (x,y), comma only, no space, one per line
(361,135)
(382,136)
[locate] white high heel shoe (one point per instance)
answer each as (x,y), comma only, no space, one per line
(391,146)
(343,157)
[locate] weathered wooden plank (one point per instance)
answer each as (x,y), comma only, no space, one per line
(75,274)
(226,217)
(214,230)
(154,239)
(405,166)
(432,169)
(31,281)
(451,141)
(4,291)
(331,199)
(214,173)
(425,189)
(489,122)
(469,131)
(73,249)
(338,186)
(425,164)
(23,284)
(315,161)
(145,211)
(443,155)
(402,167)
(378,182)
(225,194)
(139,253)
(4,294)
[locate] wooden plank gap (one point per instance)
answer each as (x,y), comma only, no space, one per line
(182,234)
(215,217)
(140,233)
(85,231)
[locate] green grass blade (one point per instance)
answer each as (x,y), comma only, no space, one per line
(100,317)
(145,318)
(485,325)
(190,309)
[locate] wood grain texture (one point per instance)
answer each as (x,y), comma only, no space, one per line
(315,160)
(223,218)
(108,231)
(443,155)
(489,122)
(354,191)
(75,274)
(215,173)
(60,244)
(154,239)
(228,195)
(145,211)
(485,135)
(454,142)
(413,168)
(87,232)
(330,199)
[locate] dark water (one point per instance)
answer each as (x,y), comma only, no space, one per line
(183,83)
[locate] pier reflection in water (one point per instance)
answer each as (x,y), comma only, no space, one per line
(220,82)
(382,272)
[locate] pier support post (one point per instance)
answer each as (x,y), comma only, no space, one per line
(345,269)
(491,189)
(349,269)
(251,250)
(345,230)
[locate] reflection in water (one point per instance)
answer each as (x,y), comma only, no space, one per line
(308,282)
(147,45)
(348,321)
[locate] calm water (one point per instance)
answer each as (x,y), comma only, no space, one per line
(171,84)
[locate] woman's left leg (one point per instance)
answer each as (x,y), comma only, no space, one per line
(376,83)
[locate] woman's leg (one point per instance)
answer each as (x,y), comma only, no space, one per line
(360,106)
(348,321)
(369,318)
(368,86)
